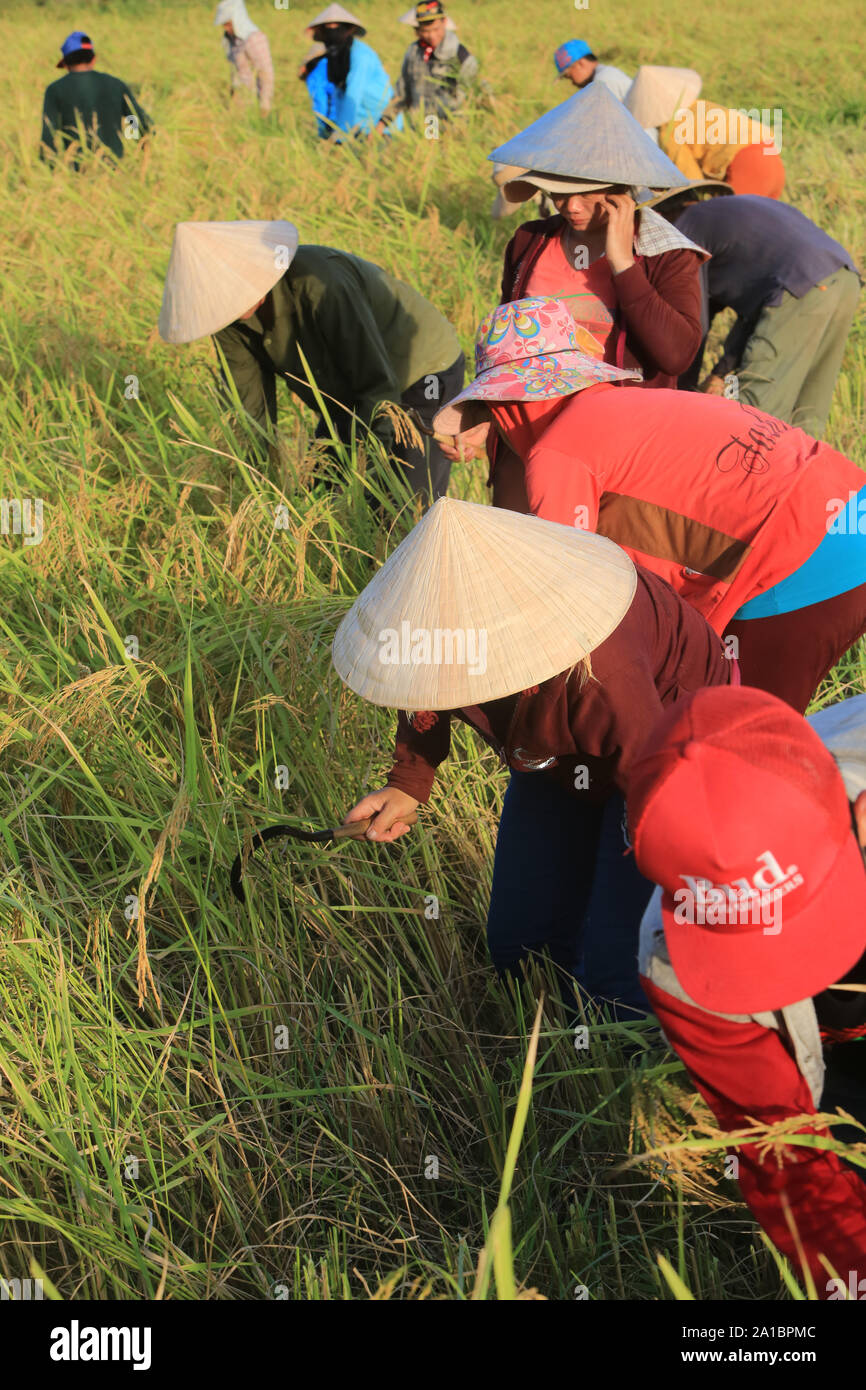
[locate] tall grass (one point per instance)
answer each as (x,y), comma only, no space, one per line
(312,1096)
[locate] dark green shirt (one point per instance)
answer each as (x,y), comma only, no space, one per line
(366,337)
(98,102)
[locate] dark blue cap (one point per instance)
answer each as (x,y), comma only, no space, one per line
(78,42)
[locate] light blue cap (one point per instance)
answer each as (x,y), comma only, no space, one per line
(569,53)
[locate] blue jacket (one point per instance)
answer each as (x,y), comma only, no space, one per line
(368,91)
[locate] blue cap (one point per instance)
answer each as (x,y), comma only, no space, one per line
(569,53)
(77,42)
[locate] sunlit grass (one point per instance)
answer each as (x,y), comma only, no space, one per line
(263,1122)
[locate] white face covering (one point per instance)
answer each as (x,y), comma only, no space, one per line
(236,11)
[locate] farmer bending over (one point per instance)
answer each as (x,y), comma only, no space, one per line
(561,654)
(366,337)
(752,521)
(795,292)
(739,812)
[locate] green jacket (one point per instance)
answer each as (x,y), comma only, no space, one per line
(99,102)
(366,337)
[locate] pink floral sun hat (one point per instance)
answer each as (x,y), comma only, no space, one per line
(530,350)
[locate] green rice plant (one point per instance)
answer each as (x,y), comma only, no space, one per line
(310,1096)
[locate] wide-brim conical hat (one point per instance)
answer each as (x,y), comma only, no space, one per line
(336,14)
(218,271)
(593,137)
(520,190)
(477,603)
(504,174)
(714,187)
(657,94)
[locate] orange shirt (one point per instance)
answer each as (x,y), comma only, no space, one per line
(715,496)
(589,293)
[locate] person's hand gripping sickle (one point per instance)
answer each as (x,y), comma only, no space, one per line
(392,812)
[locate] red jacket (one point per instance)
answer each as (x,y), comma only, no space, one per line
(659,302)
(720,499)
(745,1072)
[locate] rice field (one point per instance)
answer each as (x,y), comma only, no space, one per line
(325,1095)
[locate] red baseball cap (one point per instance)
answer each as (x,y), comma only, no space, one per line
(738,810)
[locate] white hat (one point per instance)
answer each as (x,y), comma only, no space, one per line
(477,603)
(236,11)
(658,93)
(591,137)
(218,271)
(335,14)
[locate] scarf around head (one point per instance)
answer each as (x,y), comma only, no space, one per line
(338,51)
(236,11)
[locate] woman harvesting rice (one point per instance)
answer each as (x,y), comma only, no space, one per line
(561,653)
(248,51)
(348,85)
(746,517)
(760,917)
(703,140)
(635,288)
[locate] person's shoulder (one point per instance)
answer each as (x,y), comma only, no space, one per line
(322,266)
(539,227)
(107,79)
(362,50)
(54,88)
(451,47)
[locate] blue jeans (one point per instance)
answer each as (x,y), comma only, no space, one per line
(562,881)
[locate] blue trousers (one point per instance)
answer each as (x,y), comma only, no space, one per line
(562,881)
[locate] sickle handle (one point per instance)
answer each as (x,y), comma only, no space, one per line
(357,829)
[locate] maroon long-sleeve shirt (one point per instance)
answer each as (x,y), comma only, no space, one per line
(659,301)
(661,651)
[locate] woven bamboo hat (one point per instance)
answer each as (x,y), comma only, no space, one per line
(712,187)
(336,14)
(657,94)
(218,271)
(591,138)
(477,603)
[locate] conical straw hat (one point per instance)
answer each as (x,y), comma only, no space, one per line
(335,14)
(479,602)
(591,136)
(715,187)
(657,94)
(218,271)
